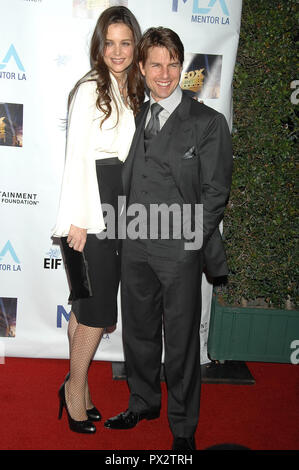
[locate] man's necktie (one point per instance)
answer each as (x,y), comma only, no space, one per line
(153,126)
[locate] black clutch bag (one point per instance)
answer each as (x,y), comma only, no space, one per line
(77,270)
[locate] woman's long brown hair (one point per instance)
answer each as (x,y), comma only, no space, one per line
(99,71)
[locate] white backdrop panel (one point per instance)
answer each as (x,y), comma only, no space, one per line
(43,51)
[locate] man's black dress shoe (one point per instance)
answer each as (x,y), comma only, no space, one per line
(183,443)
(129,419)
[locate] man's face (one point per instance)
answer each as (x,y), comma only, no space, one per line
(162,74)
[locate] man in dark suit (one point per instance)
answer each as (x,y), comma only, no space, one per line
(180,156)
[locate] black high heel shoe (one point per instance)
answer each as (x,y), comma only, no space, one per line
(93,414)
(84,427)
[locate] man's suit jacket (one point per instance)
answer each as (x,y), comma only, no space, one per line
(200,156)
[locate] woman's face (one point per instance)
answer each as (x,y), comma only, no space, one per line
(119,48)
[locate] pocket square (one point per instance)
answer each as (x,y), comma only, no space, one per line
(190,153)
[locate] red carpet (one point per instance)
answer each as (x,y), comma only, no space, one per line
(263,416)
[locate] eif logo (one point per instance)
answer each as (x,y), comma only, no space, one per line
(53,259)
(10,55)
(203,10)
(6,251)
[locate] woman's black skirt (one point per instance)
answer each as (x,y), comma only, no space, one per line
(102,254)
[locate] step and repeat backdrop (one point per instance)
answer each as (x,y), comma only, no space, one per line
(44,49)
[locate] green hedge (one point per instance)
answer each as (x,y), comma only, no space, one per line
(261,217)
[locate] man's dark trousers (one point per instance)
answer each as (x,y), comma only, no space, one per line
(160,289)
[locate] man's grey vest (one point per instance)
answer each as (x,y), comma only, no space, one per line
(152,182)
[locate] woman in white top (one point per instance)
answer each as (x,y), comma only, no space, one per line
(101,125)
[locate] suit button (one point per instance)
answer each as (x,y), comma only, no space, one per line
(144,176)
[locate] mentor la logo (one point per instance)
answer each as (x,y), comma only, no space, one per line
(8,254)
(206,11)
(10,58)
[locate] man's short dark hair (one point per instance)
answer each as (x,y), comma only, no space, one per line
(161,37)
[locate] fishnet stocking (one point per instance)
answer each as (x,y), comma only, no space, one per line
(83,341)
(72,325)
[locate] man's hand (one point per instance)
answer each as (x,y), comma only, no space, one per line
(77,238)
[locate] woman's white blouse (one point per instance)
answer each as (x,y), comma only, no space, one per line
(87,142)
